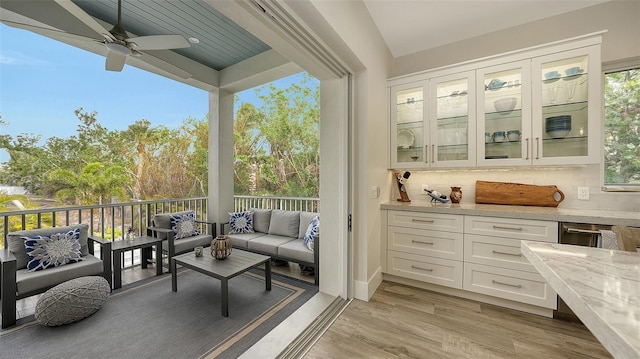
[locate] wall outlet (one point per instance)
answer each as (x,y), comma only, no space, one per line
(583,193)
(425,187)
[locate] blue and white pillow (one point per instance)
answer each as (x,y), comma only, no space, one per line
(241,222)
(54,250)
(184,225)
(312,230)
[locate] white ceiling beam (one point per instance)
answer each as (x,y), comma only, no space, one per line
(258,70)
(248,16)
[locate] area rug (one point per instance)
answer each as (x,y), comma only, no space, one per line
(148,320)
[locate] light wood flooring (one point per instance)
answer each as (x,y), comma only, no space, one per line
(405,322)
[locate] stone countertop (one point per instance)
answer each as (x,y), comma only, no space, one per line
(606,217)
(601,286)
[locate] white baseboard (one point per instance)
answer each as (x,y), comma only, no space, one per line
(364,290)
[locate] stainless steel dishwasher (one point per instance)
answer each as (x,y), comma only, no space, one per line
(578,234)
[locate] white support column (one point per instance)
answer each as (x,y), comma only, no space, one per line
(220,160)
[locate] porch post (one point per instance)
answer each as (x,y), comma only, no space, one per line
(220,161)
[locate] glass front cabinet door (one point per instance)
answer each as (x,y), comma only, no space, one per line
(407,125)
(504,114)
(566,111)
(452,122)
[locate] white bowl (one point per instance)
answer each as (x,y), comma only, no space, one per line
(505,104)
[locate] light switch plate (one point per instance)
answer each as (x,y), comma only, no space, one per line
(375,192)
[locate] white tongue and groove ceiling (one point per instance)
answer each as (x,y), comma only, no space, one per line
(413,26)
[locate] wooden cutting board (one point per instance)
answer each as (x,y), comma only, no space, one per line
(518,194)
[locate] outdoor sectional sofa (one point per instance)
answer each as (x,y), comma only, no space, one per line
(279,234)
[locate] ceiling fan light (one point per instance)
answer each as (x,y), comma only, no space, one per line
(117,48)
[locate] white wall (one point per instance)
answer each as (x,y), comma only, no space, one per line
(568,179)
(351,21)
(622,41)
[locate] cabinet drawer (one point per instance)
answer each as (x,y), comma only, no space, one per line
(446,245)
(432,221)
(443,272)
(543,231)
(495,251)
(519,286)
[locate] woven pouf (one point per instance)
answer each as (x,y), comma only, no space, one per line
(72,300)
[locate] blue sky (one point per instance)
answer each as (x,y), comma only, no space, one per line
(42,83)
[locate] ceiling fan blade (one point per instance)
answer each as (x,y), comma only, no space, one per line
(159,42)
(76,11)
(164,66)
(51,33)
(115,61)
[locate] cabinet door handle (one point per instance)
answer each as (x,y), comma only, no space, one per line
(507,253)
(507,284)
(420,268)
(422,220)
(505,227)
(433,153)
(421,242)
(537,148)
(527,139)
(426,157)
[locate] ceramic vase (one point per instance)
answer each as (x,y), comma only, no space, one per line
(456,194)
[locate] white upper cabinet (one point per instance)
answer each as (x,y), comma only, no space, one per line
(567,103)
(408,130)
(541,106)
(452,111)
(504,114)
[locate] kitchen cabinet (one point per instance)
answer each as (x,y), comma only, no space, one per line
(433,122)
(539,106)
(539,111)
(494,264)
(408,125)
(504,114)
(452,110)
(425,247)
(475,254)
(567,111)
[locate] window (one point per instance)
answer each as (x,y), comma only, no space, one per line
(622,127)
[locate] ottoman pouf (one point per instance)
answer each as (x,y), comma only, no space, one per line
(72,300)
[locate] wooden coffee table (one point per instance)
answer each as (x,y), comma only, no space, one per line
(237,263)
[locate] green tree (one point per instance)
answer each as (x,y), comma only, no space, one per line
(277,145)
(93,184)
(622,127)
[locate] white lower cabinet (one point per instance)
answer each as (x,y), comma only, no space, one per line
(473,253)
(425,247)
(519,286)
(443,272)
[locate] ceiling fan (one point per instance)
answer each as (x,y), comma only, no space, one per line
(118,42)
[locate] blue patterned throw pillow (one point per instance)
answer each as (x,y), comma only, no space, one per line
(184,225)
(241,222)
(312,231)
(53,251)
